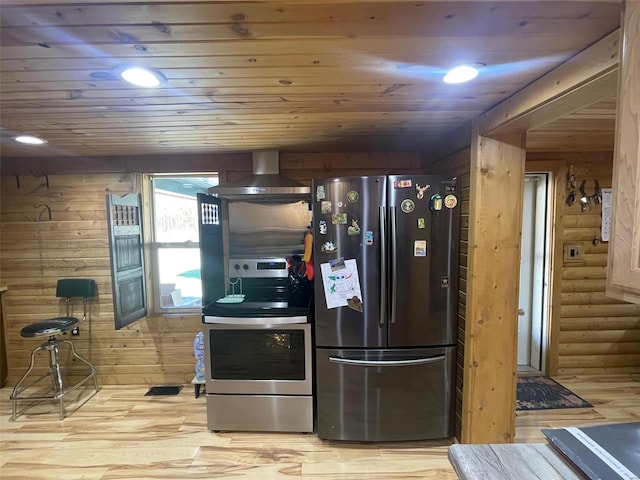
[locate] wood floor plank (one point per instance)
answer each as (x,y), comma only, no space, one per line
(615,398)
(22,471)
(120,433)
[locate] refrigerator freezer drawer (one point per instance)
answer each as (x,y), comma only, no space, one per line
(385,395)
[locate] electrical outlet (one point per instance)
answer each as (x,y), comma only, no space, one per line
(573,253)
(75,331)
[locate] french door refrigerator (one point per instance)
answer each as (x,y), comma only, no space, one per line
(386,295)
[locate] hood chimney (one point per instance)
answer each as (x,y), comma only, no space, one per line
(266,184)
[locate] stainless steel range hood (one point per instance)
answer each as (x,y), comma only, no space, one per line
(266,184)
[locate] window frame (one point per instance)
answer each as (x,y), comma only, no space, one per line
(152,247)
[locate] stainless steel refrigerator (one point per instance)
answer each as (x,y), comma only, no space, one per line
(385,257)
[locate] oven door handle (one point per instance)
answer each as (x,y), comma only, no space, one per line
(255,321)
(386,363)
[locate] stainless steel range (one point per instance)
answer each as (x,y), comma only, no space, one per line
(258,352)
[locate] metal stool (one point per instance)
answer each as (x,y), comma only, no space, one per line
(67,289)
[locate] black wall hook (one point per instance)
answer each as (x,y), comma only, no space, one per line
(46,177)
(17,180)
(45,207)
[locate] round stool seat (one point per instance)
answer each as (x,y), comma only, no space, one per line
(52,326)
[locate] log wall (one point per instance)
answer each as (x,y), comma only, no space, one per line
(594,334)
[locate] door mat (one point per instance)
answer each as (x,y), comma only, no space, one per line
(542,393)
(164,390)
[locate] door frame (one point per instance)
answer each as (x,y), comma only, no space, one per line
(540,284)
(559,170)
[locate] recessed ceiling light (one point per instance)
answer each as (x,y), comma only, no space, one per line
(461,74)
(29,140)
(142,77)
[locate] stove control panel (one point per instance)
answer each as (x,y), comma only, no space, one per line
(258,267)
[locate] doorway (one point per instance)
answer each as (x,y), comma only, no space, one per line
(533,310)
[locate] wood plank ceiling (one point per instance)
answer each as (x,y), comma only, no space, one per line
(289,75)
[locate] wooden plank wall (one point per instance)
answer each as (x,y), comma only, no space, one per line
(36,251)
(596,334)
(458,164)
(75,244)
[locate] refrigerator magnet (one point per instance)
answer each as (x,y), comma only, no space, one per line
(450,201)
(354,303)
(407,205)
(354,228)
(421,223)
(402,184)
(325,207)
(328,247)
(421,190)
(420,248)
(320,193)
(368,237)
(339,219)
(322,226)
(353,196)
(337,264)
(436,202)
(450,188)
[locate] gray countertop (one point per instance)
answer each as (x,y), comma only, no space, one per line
(513,461)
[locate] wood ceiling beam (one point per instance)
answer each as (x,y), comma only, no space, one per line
(587,78)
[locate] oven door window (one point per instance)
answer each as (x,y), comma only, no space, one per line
(261,354)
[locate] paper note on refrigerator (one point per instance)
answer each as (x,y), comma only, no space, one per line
(606,214)
(340,285)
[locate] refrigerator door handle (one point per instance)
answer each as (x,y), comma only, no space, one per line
(383,266)
(389,363)
(394,264)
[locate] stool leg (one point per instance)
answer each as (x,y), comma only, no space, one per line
(55,375)
(16,389)
(54,367)
(82,359)
(95,381)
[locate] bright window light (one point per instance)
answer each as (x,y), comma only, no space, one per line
(175,241)
(29,140)
(142,77)
(460,74)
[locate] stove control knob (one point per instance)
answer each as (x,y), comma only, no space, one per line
(236,266)
(245,267)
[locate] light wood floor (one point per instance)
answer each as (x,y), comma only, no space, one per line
(121,434)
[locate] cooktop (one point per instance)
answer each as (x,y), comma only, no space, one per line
(247,309)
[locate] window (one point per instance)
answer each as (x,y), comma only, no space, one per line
(175,252)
